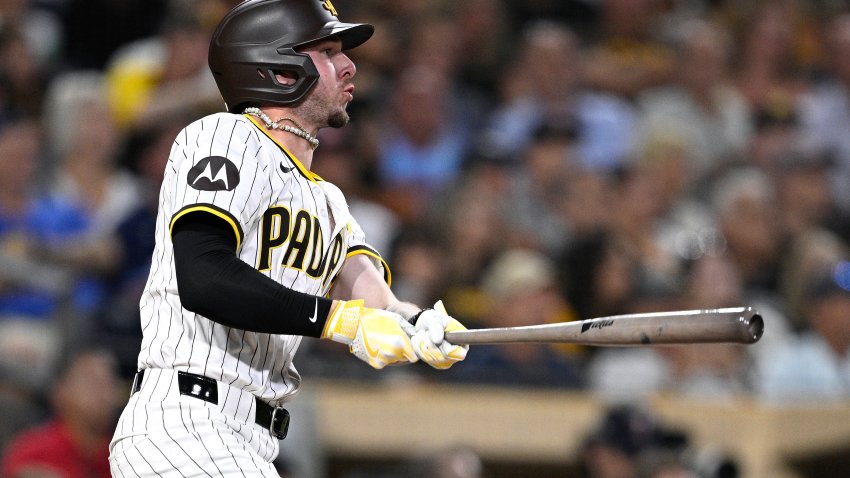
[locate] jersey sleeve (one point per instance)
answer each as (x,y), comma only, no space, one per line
(217,167)
(357,245)
(356,237)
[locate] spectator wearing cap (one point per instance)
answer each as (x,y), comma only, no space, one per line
(520,286)
(815,366)
(776,126)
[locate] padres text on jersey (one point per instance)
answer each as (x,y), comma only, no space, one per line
(289,224)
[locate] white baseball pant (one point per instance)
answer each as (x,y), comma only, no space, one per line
(162,433)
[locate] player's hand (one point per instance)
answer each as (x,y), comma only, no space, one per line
(430,342)
(375,336)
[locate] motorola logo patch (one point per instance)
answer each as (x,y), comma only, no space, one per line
(214,173)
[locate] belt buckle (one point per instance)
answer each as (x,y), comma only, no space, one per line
(279,424)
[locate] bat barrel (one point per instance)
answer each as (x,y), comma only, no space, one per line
(731,325)
(755,328)
(741,325)
(736,325)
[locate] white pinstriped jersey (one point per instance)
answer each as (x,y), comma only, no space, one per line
(290,225)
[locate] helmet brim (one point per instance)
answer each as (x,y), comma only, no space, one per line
(350,34)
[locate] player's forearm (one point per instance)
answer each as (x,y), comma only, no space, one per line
(360,279)
(214,283)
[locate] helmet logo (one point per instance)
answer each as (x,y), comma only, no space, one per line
(329,7)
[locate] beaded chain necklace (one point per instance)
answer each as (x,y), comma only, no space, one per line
(297,130)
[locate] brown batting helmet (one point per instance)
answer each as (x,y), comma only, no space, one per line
(259,38)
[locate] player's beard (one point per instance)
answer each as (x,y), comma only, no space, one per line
(338,118)
(321,110)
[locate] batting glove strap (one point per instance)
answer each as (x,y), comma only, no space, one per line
(341,326)
(415,317)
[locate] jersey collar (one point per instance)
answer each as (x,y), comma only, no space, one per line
(300,167)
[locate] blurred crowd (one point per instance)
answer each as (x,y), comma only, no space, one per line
(524,161)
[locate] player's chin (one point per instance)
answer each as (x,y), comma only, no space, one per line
(338,119)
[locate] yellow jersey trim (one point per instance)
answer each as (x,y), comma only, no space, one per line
(300,167)
(353,251)
(210,209)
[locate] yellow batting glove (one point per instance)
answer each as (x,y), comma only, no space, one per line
(429,340)
(375,336)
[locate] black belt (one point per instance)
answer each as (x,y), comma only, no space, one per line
(274,419)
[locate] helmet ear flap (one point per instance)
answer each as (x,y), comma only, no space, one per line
(297,67)
(269,80)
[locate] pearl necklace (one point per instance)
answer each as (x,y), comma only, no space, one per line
(297,130)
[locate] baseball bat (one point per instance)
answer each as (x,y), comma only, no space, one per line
(741,325)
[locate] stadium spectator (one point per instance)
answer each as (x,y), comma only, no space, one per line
(630,442)
(531,205)
(598,275)
(21,292)
(22,80)
(769,66)
(424,143)
(825,110)
(520,287)
(701,107)
(88,195)
(626,55)
(74,443)
(164,74)
(776,130)
(803,191)
(816,366)
(746,209)
(464,217)
(813,249)
(28,356)
(543,83)
(636,205)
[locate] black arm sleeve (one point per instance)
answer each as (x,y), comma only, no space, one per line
(214,282)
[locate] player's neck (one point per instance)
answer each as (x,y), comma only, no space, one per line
(285,127)
(295,145)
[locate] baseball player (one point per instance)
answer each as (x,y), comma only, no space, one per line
(254,251)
